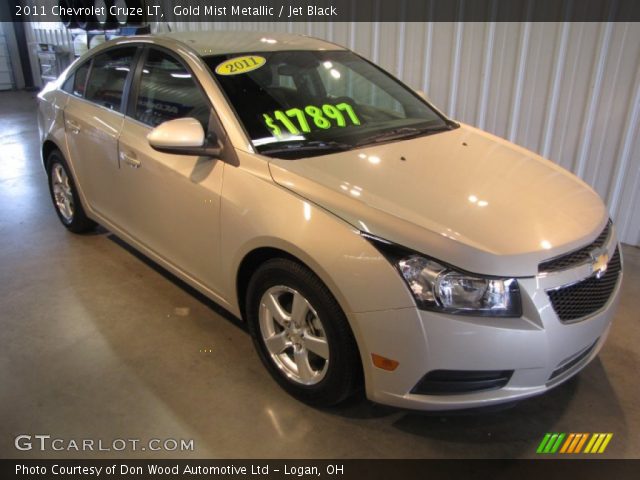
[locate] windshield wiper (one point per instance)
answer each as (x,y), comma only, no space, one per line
(403,133)
(306,146)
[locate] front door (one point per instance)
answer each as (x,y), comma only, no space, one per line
(172,202)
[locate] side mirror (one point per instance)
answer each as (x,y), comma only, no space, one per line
(183,136)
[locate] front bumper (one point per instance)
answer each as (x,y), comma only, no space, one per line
(541,350)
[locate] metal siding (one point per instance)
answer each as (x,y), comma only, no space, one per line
(569,91)
(6,70)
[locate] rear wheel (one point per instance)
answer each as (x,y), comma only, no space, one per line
(302,334)
(65,196)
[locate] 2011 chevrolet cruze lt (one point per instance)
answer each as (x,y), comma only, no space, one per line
(368,240)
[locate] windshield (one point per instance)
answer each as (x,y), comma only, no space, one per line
(295,104)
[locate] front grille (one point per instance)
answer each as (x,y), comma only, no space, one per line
(588,296)
(570,363)
(456,382)
(577,257)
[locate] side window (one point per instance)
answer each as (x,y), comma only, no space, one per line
(108,76)
(77,80)
(167,92)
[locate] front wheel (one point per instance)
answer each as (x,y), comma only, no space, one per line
(302,334)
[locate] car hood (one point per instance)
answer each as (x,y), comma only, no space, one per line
(463,196)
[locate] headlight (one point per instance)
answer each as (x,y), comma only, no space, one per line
(439,287)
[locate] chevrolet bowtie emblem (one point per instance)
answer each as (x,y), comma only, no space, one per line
(599,261)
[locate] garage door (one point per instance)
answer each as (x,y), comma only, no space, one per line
(6,76)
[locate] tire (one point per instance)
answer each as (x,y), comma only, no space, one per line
(123,20)
(106,21)
(313,356)
(69,21)
(64,195)
(87,22)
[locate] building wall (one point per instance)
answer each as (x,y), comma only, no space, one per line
(569,91)
(6,70)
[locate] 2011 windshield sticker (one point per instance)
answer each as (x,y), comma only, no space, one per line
(297,120)
(238,65)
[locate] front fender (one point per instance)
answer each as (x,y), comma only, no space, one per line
(258,213)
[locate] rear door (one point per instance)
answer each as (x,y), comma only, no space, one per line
(93,120)
(172,201)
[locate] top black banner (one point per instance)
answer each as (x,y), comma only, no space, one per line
(146,11)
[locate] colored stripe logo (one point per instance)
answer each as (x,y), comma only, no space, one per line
(574,443)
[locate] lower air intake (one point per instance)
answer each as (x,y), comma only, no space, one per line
(569,364)
(457,382)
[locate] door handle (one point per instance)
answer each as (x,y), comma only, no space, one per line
(130,159)
(73,127)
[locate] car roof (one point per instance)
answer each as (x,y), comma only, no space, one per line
(217,43)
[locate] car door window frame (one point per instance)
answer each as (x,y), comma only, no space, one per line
(214,125)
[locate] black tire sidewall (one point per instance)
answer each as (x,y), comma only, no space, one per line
(341,378)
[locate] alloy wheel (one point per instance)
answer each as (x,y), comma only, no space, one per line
(62,193)
(294,335)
